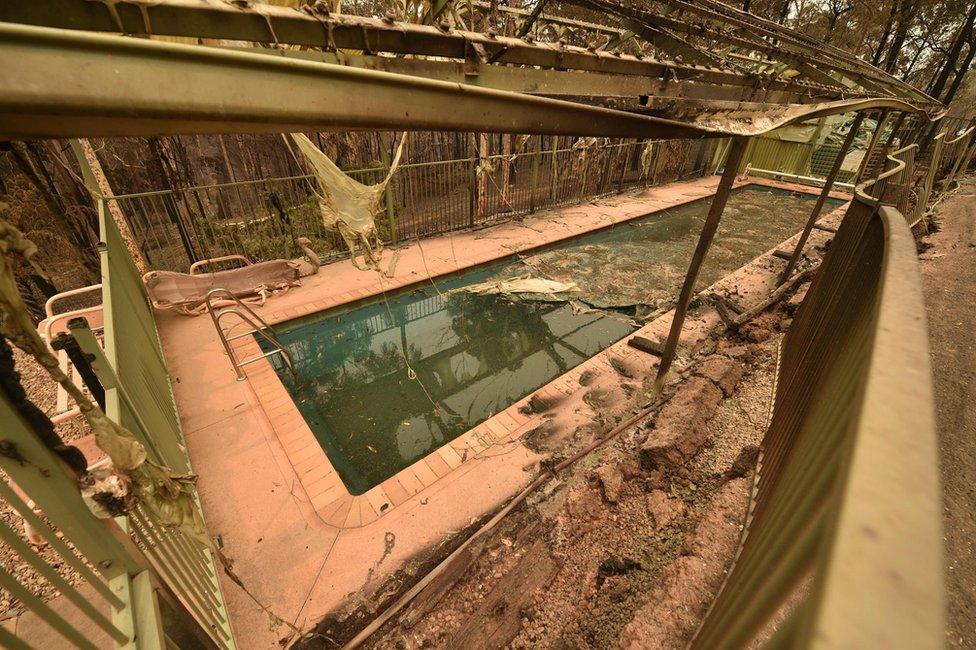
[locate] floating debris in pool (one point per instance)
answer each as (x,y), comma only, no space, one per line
(520,285)
(396,378)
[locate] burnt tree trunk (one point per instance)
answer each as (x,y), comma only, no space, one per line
(29,160)
(112,207)
(885,35)
(906,15)
(960,73)
(784,11)
(158,163)
(949,65)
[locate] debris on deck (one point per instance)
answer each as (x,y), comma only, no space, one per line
(629,547)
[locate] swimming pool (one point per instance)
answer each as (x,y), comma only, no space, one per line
(383,384)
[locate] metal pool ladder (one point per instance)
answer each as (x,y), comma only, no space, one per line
(258,326)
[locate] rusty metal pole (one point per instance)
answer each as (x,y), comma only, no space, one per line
(552,169)
(715,210)
(894,134)
(473,180)
(882,118)
(818,206)
(623,168)
(536,159)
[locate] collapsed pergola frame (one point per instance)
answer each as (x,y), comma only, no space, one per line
(309,69)
(316,71)
(354,72)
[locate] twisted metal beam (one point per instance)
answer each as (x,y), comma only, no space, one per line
(283,27)
(124,86)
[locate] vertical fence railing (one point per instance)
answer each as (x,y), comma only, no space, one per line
(131,581)
(105,572)
(138,395)
(262,219)
(134,581)
(843,537)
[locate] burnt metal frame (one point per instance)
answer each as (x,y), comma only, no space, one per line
(722,96)
(117,86)
(127,86)
(719,199)
(818,206)
(455,80)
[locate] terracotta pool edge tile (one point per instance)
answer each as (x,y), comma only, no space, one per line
(409,481)
(494,429)
(395,490)
(340,512)
(355,517)
(322,482)
(424,473)
(333,491)
(507,425)
(438,465)
(450,456)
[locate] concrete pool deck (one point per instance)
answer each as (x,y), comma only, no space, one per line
(299,541)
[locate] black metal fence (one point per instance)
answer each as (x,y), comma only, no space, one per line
(262,219)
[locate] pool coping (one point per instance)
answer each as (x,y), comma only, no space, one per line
(289,557)
(324,487)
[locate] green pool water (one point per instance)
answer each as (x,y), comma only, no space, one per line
(385,383)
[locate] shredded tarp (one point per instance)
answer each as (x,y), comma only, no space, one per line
(347,206)
(521,285)
(487,164)
(168,495)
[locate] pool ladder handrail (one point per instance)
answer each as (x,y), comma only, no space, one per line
(258,326)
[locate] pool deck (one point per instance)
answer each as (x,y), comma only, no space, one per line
(300,542)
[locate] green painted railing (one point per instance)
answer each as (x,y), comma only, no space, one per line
(138,583)
(98,552)
(138,395)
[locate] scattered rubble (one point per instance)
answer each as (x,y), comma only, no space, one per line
(628,548)
(681,427)
(664,508)
(723,371)
(610,480)
(687,584)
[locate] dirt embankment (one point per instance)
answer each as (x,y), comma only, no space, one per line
(949,283)
(629,547)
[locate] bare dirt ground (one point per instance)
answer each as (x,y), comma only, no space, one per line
(949,282)
(629,547)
